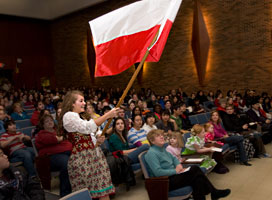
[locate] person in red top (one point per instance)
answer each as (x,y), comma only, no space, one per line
(14,142)
(35,116)
(58,149)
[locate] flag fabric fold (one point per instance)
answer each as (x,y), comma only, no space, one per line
(122,37)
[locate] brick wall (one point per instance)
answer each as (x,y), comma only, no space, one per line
(240,53)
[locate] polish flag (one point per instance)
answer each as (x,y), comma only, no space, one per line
(122,37)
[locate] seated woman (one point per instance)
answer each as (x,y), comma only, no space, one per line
(58,149)
(118,141)
(163,163)
(18,113)
(137,135)
(233,140)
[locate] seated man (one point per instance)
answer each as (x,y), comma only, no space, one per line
(15,185)
(234,123)
(18,152)
(257,115)
(163,163)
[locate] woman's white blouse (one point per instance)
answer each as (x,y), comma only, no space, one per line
(73,123)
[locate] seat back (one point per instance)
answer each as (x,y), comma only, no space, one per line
(23,123)
(201,118)
(28,130)
(152,185)
(34,147)
(143,164)
(82,194)
(185,137)
(193,119)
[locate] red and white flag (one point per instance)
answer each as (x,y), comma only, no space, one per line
(122,37)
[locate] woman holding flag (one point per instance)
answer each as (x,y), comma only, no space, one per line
(87,166)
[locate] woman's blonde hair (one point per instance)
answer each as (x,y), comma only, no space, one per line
(152,134)
(179,138)
(67,105)
(197,129)
(207,126)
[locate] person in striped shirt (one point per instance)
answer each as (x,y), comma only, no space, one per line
(137,135)
(13,142)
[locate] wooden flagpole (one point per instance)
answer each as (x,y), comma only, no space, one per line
(130,83)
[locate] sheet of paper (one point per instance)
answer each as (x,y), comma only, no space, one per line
(194,160)
(217,149)
(185,170)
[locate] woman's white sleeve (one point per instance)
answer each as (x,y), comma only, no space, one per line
(73,123)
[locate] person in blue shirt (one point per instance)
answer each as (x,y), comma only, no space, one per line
(18,113)
(163,163)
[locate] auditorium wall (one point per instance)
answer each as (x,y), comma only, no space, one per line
(29,40)
(240,54)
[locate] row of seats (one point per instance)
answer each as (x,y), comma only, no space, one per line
(202,118)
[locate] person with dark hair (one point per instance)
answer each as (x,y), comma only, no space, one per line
(234,123)
(39,106)
(14,185)
(201,96)
(257,115)
(157,111)
(266,104)
(118,141)
(14,143)
(166,123)
(57,148)
(168,106)
(149,122)
(176,116)
(137,135)
(186,123)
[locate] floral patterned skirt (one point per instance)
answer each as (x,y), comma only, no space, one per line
(89,169)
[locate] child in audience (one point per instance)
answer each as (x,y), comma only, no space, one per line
(175,145)
(195,144)
(13,142)
(149,122)
(209,135)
